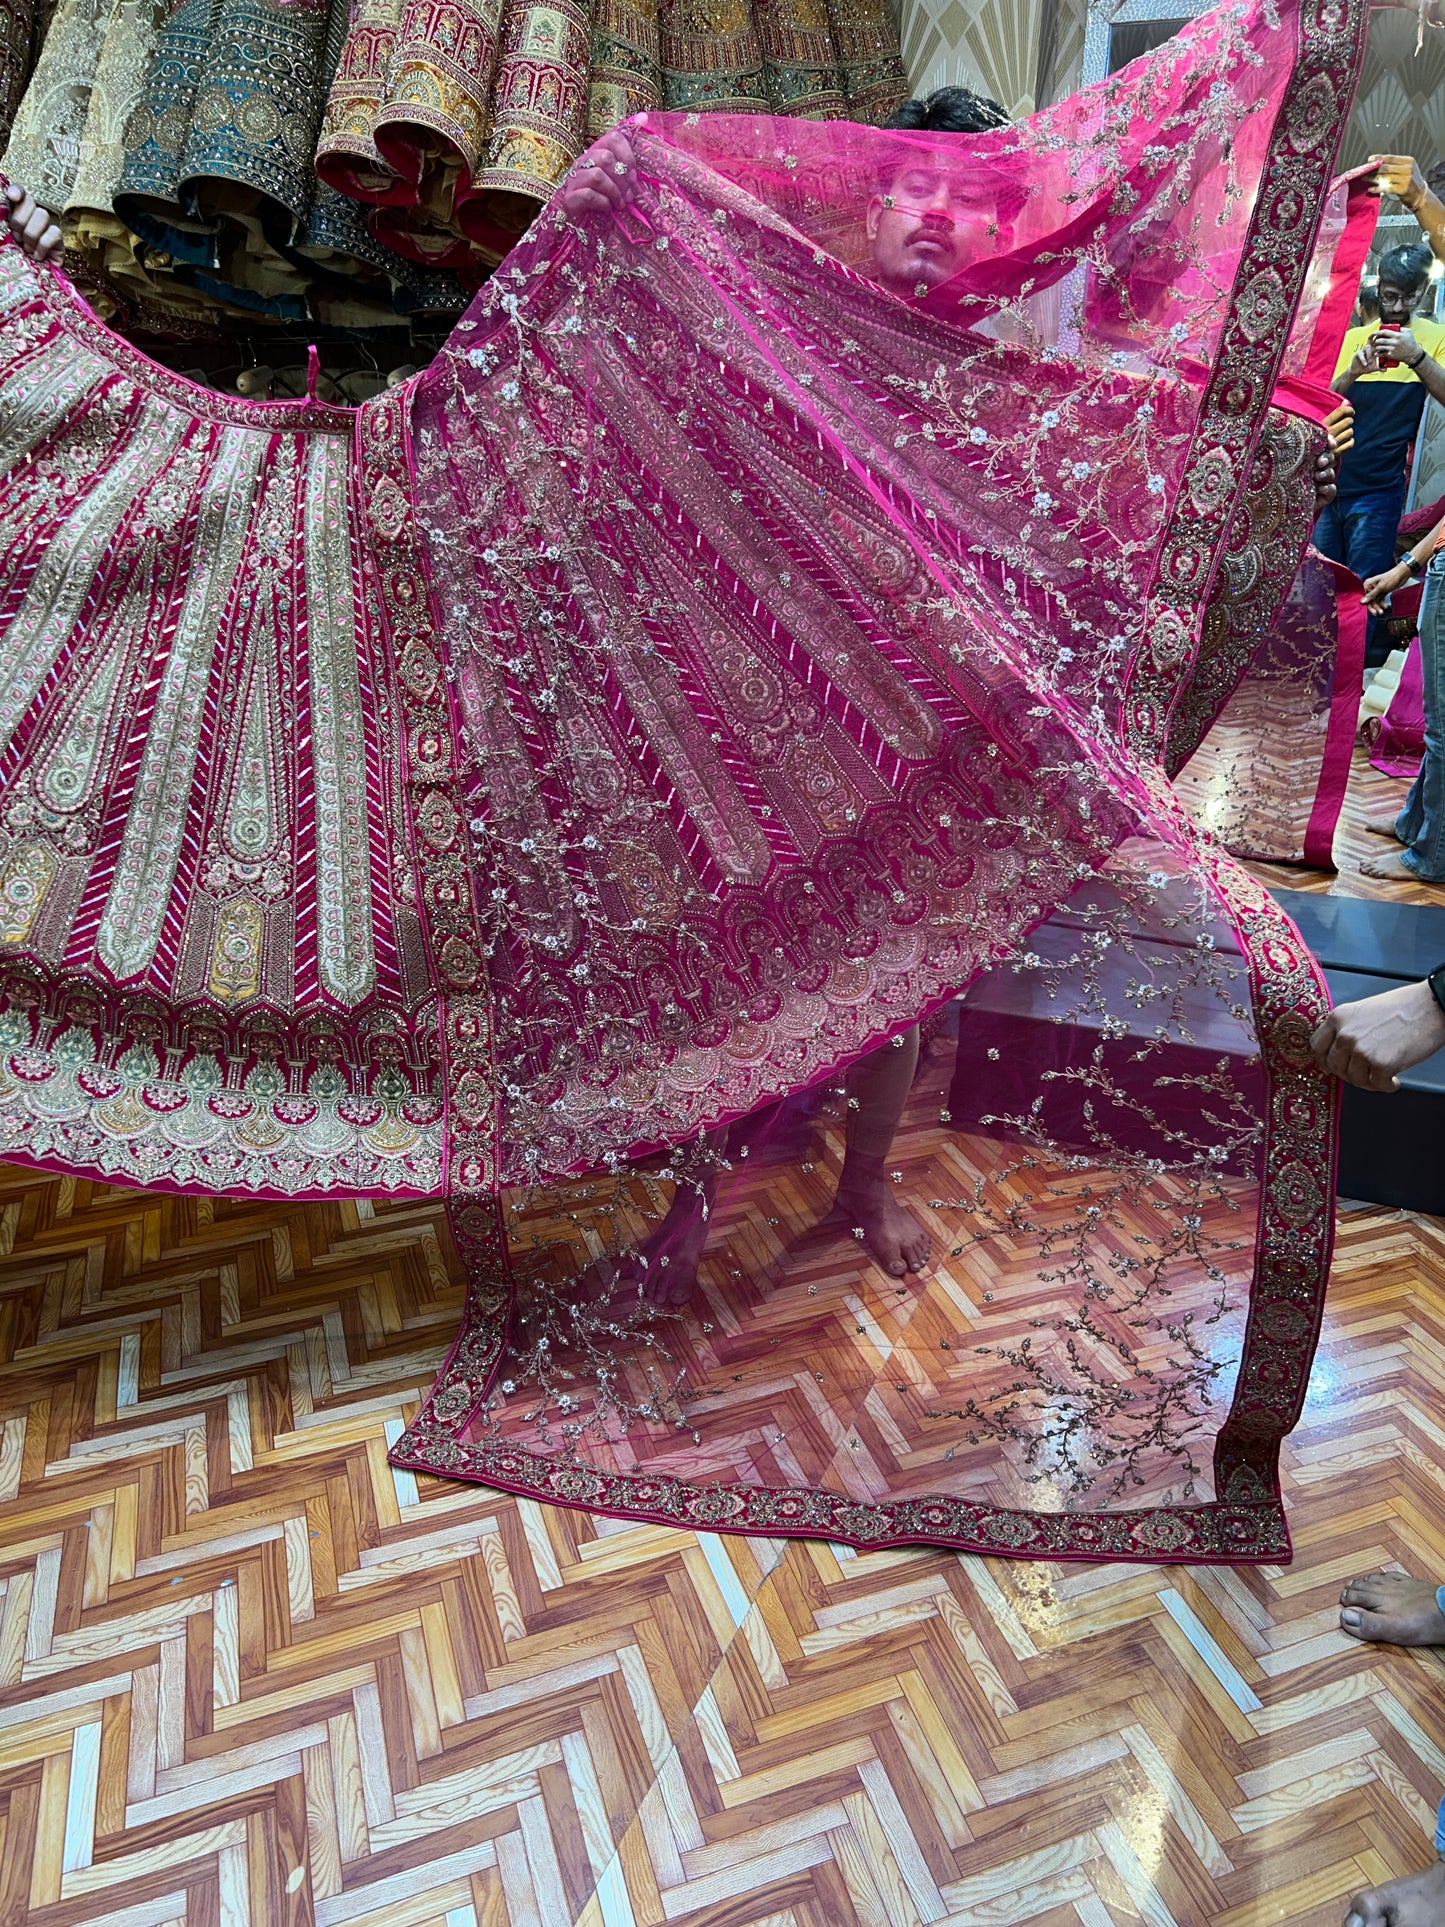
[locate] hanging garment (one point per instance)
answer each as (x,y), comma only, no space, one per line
(1261,748)
(567,783)
(175,143)
(218,147)
(17,34)
(455,119)
(49,123)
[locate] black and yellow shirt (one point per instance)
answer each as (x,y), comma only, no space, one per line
(1388,406)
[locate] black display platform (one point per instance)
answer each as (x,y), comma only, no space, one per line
(1392,1143)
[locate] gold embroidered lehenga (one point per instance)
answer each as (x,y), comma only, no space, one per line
(714,664)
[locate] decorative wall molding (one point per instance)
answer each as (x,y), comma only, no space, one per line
(1104,16)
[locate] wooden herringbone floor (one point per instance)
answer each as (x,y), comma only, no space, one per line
(248,1674)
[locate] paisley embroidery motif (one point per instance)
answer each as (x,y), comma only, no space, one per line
(256,807)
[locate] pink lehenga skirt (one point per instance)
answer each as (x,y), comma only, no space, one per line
(554,784)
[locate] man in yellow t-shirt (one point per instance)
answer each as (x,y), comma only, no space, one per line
(1388,370)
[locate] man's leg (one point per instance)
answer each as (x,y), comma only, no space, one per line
(1426,855)
(1421,825)
(1368,1043)
(1388,1607)
(1329,532)
(1414,1900)
(1370,523)
(664,1266)
(1405,825)
(878,1087)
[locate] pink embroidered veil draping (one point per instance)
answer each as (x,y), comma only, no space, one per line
(1264,764)
(560,794)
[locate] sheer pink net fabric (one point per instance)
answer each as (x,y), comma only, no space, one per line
(815,647)
(1262,749)
(1269,779)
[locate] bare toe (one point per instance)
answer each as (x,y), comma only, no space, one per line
(1414,1900)
(895,1238)
(677,1288)
(1366,1589)
(1392,1609)
(1387,869)
(1366,1910)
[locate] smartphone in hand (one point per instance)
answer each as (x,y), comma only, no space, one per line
(1384,340)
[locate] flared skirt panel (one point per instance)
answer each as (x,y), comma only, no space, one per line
(211,978)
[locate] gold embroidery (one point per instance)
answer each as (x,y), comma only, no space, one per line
(338,749)
(236,957)
(56,593)
(257,804)
(68,776)
(146,866)
(28,873)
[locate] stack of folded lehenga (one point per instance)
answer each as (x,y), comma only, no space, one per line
(346,163)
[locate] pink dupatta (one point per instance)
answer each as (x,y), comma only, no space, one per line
(815,654)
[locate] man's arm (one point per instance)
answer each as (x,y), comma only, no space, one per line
(1421,363)
(1400,175)
(1365,361)
(1410,567)
(1370,1042)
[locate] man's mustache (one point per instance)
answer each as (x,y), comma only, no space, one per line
(933,227)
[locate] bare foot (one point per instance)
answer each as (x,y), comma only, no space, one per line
(894,1236)
(1383,825)
(664,1266)
(1388,869)
(1395,1610)
(1414,1900)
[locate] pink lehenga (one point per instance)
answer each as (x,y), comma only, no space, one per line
(712,666)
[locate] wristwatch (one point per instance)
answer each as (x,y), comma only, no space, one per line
(1417,565)
(1436,981)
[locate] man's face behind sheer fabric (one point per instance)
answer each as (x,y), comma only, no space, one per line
(929,222)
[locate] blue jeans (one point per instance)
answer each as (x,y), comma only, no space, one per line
(1359,530)
(1421,824)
